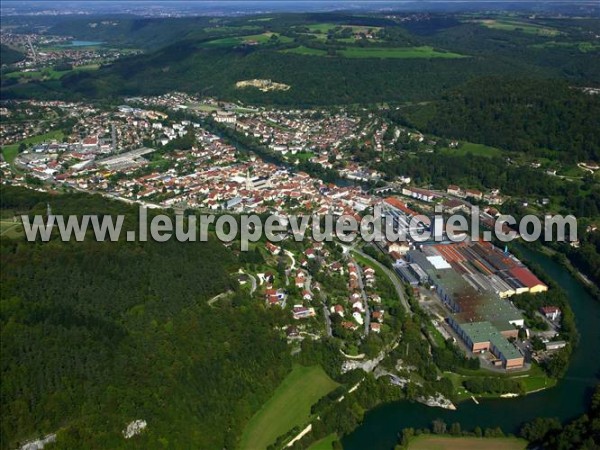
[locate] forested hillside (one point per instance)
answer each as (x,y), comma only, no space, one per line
(519,115)
(9,55)
(96,335)
(318,56)
(313,79)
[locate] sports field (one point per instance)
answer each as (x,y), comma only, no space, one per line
(432,442)
(289,406)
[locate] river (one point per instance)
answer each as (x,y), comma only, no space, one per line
(565,401)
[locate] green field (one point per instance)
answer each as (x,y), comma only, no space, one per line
(302,50)
(432,442)
(379,52)
(533,380)
(324,444)
(327,27)
(289,406)
(48,74)
(238,40)
(514,25)
(475,149)
(10,229)
(227,29)
(321,31)
(397,52)
(11,151)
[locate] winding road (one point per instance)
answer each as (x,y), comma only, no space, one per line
(392,276)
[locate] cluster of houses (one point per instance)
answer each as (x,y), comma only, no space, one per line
(353,313)
(211,175)
(493,197)
(298,131)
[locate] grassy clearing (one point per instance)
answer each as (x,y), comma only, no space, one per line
(11,229)
(321,27)
(324,444)
(397,52)
(48,74)
(430,442)
(288,407)
(10,152)
(533,380)
(379,52)
(239,40)
(476,149)
(327,27)
(515,25)
(56,135)
(302,50)
(227,29)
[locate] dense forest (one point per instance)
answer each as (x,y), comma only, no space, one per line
(9,55)
(520,115)
(95,335)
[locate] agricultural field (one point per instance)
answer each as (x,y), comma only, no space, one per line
(432,442)
(515,25)
(289,406)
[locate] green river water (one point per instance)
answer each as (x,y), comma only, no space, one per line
(380,428)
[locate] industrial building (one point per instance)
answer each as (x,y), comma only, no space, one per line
(474,281)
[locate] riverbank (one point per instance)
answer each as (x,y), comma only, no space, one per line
(445,442)
(565,401)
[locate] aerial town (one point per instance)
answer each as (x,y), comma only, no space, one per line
(299,225)
(144,152)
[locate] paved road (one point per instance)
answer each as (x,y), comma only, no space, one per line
(326,314)
(289,270)
(393,277)
(252,281)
